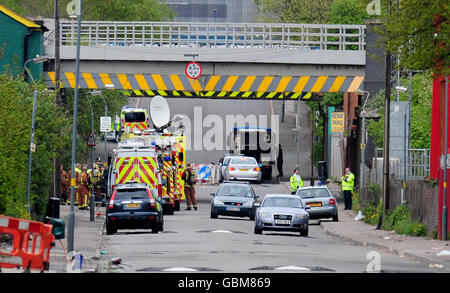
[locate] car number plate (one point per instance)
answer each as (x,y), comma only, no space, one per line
(233,209)
(283,222)
(315,204)
(243,170)
(132,205)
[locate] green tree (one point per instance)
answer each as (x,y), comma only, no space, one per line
(419,31)
(347,12)
(52,128)
(138,10)
(421,107)
(293,11)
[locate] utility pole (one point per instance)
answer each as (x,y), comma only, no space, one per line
(444,208)
(58,100)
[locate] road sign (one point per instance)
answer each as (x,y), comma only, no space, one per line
(91,140)
(105,124)
(193,70)
(337,121)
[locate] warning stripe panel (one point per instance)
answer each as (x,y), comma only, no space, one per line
(179,85)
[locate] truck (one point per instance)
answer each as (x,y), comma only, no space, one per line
(134,120)
(257,142)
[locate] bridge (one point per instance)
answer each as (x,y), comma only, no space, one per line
(241,61)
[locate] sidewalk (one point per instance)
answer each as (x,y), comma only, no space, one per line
(421,249)
(87,241)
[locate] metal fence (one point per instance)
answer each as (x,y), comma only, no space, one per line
(216,35)
(416,166)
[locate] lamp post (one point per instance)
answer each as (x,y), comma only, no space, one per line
(71,216)
(444,207)
(363,141)
(401,89)
(36,60)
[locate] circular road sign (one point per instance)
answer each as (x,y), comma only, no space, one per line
(193,70)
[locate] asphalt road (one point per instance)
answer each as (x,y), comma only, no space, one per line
(192,241)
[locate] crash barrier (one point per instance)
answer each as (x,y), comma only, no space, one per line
(31,243)
(207,174)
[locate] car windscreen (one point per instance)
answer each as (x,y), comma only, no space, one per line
(135,117)
(282,202)
(132,193)
(243,161)
(235,190)
(313,193)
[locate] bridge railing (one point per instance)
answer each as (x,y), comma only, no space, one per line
(215,35)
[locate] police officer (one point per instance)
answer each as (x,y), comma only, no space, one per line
(348,182)
(189,189)
(296,181)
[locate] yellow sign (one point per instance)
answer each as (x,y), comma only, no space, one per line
(337,121)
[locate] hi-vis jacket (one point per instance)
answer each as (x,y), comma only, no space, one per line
(294,183)
(348,181)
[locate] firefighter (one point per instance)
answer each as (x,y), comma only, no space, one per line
(64,185)
(77,183)
(189,187)
(83,189)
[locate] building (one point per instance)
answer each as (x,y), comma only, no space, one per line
(223,11)
(20,40)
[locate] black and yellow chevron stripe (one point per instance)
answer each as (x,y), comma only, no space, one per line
(212,86)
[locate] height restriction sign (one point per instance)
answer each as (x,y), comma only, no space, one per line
(193,70)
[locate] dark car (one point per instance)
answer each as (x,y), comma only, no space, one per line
(134,206)
(234,199)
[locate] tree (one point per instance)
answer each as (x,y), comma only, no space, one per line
(52,131)
(137,10)
(293,11)
(419,31)
(420,111)
(347,12)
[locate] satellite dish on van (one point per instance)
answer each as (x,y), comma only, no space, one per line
(159,111)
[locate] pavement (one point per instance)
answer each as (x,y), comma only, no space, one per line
(88,240)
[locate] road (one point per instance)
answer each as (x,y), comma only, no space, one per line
(192,241)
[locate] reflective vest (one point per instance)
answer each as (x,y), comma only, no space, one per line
(348,181)
(294,182)
(189,178)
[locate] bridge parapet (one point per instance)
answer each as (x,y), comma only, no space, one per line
(216,35)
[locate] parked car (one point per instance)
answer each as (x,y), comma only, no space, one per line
(234,199)
(242,168)
(322,202)
(134,206)
(282,212)
(223,162)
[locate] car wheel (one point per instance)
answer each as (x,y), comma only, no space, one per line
(110,230)
(252,217)
(304,232)
(258,230)
(155,230)
(335,219)
(177,205)
(161,225)
(213,215)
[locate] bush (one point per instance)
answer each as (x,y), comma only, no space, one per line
(400,222)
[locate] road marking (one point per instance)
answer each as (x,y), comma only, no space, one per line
(221,231)
(292,268)
(179,269)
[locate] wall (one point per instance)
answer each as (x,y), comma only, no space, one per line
(422,198)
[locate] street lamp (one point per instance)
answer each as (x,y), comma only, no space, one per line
(36,60)
(401,89)
(363,142)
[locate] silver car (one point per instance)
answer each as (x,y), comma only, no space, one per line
(242,168)
(323,204)
(282,212)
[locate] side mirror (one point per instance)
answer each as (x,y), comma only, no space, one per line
(256,204)
(212,194)
(256,196)
(307,207)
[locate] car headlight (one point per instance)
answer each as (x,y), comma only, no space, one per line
(248,204)
(218,202)
(265,215)
(301,217)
